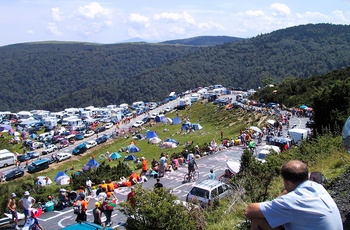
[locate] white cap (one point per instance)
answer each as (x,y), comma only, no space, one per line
(13,194)
(142,158)
(26,193)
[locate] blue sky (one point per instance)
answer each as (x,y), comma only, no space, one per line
(112,21)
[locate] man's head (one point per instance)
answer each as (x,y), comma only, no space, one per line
(294,172)
(158,180)
(13,195)
(26,194)
(211,170)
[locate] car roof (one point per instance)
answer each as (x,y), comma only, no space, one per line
(209,184)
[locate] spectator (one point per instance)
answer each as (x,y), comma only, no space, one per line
(33,222)
(158,184)
(212,175)
(97,214)
(84,205)
(26,202)
(144,166)
(131,197)
(11,205)
(304,204)
(89,185)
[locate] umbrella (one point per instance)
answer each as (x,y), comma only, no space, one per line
(256,129)
(303,107)
(271,122)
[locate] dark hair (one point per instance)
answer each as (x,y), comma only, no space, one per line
(295,171)
(211,170)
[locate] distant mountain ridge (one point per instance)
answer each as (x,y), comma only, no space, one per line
(203,41)
(55,76)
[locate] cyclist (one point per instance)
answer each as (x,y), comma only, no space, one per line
(191,165)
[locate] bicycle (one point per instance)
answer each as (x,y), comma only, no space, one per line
(192,176)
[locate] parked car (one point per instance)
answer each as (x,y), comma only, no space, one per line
(90,144)
(109,125)
(23,157)
(49,149)
(137,124)
(33,154)
(14,174)
(153,115)
(100,129)
(101,139)
(79,136)
(208,190)
(79,149)
(89,133)
(38,165)
(63,156)
(146,120)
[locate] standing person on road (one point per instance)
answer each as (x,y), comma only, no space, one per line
(97,213)
(11,204)
(26,202)
(88,185)
(211,175)
(144,166)
(84,206)
(158,184)
(304,204)
(191,165)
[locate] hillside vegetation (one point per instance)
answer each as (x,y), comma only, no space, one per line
(55,76)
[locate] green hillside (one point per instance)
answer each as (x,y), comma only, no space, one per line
(55,76)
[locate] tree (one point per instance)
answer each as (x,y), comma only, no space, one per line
(159,210)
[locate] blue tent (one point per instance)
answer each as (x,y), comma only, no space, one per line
(59,174)
(130,158)
(196,127)
(171,140)
(185,126)
(151,134)
(133,148)
(115,156)
(159,118)
(176,120)
(91,164)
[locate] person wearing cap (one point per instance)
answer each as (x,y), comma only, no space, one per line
(26,202)
(104,185)
(144,166)
(11,205)
(33,222)
(97,213)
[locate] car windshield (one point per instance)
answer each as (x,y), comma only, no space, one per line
(199,192)
(262,156)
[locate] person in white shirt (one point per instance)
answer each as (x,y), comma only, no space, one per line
(27,202)
(89,185)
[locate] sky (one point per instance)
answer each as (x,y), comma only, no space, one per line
(113,21)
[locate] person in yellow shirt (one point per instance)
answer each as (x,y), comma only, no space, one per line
(144,166)
(104,185)
(110,186)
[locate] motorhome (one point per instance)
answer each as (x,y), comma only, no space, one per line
(124,106)
(24,115)
(298,135)
(172,96)
(138,104)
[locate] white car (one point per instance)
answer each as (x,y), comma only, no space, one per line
(89,133)
(137,124)
(90,144)
(168,109)
(109,125)
(153,115)
(49,149)
(63,156)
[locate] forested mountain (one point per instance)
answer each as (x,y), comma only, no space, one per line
(55,76)
(203,41)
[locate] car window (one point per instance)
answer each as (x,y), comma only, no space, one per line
(220,189)
(200,192)
(214,192)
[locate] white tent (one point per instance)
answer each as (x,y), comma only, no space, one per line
(42,180)
(154,140)
(63,180)
(168,145)
(167,120)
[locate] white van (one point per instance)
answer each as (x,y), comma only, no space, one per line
(7,159)
(298,135)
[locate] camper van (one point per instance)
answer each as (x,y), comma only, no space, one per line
(298,135)
(138,104)
(7,158)
(184,102)
(172,96)
(38,165)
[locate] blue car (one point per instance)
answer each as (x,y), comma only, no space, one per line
(101,139)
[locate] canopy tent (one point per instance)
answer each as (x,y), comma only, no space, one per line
(271,122)
(168,145)
(196,127)
(159,118)
(41,180)
(151,134)
(271,147)
(92,163)
(133,148)
(62,178)
(256,129)
(233,166)
(154,140)
(176,120)
(130,157)
(115,155)
(171,140)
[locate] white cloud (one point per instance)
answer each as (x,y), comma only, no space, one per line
(210,26)
(175,17)
(281,9)
(56,14)
(177,30)
(311,16)
(255,13)
(53,29)
(339,15)
(94,10)
(138,18)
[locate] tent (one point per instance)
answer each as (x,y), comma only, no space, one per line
(176,120)
(154,140)
(133,148)
(131,157)
(185,126)
(255,129)
(92,163)
(167,120)
(115,155)
(41,180)
(168,145)
(151,134)
(139,136)
(159,118)
(171,140)
(196,127)
(62,178)
(233,166)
